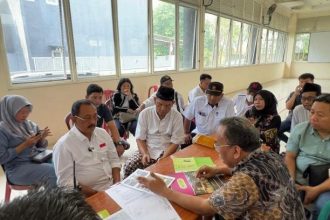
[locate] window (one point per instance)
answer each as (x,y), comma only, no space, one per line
(263,49)
(133,36)
(224,43)
(235,43)
(302,47)
(269,46)
(164,35)
(187,37)
(246,36)
(33,40)
(93,37)
(210,40)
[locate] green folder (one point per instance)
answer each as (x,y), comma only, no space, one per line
(188,164)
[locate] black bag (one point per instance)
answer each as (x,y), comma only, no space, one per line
(317,174)
(42,156)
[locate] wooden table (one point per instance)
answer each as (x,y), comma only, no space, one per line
(101,200)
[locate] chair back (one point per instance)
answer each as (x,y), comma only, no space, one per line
(10,186)
(68,121)
(152,89)
(108,93)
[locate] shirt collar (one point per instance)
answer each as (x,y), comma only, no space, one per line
(79,135)
(316,133)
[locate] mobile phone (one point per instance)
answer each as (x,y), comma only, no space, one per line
(38,132)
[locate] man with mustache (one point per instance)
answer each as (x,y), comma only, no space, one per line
(97,165)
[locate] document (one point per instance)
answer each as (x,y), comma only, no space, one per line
(188,164)
(120,215)
(131,180)
(138,204)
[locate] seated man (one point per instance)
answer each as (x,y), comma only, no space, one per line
(165,81)
(49,203)
(207,111)
(97,165)
(301,112)
(309,144)
(95,94)
(293,100)
(199,90)
(244,102)
(260,186)
(158,134)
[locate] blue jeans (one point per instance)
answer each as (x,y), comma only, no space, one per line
(130,126)
(321,200)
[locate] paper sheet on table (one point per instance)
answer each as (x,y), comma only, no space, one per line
(137,204)
(188,164)
(120,215)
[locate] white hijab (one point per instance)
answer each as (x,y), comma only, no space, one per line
(9,107)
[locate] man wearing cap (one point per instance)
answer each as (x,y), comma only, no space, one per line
(207,111)
(159,132)
(301,112)
(165,81)
(199,90)
(244,102)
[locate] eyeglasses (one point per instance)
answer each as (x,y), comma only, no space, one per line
(88,118)
(310,98)
(218,147)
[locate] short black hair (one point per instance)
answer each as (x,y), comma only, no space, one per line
(306,76)
(49,203)
(324,98)
(239,131)
(205,76)
(93,88)
(311,87)
(75,109)
(122,81)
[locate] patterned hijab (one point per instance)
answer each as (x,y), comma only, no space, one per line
(9,107)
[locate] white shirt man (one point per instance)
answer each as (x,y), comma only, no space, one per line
(199,90)
(300,114)
(97,165)
(207,111)
(151,101)
(159,132)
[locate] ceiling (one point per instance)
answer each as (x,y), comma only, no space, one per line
(306,8)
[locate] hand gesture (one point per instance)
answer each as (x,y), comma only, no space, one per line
(187,138)
(145,159)
(310,193)
(154,183)
(45,133)
(32,140)
(206,172)
(298,90)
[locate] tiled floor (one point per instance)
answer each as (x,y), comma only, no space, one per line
(281,89)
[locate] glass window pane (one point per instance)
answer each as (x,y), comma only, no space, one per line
(133,35)
(246,28)
(33,40)
(210,40)
(275,47)
(302,47)
(263,48)
(187,37)
(252,47)
(93,37)
(224,42)
(164,35)
(270,46)
(235,43)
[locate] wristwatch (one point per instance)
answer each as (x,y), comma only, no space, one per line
(123,143)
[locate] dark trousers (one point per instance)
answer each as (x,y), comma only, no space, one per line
(129,126)
(285,127)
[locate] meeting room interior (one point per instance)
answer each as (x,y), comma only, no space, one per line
(52,50)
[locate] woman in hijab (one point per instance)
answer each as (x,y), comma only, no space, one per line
(19,141)
(264,116)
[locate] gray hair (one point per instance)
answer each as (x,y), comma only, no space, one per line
(239,131)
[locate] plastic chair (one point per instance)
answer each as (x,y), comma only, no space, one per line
(152,88)
(68,120)
(10,186)
(108,93)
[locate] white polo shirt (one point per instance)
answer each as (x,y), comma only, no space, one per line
(159,134)
(241,106)
(93,167)
(151,101)
(195,92)
(300,114)
(207,119)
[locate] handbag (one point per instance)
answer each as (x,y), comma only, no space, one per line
(125,117)
(317,174)
(42,156)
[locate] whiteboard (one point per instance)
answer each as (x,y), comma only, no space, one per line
(319,47)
